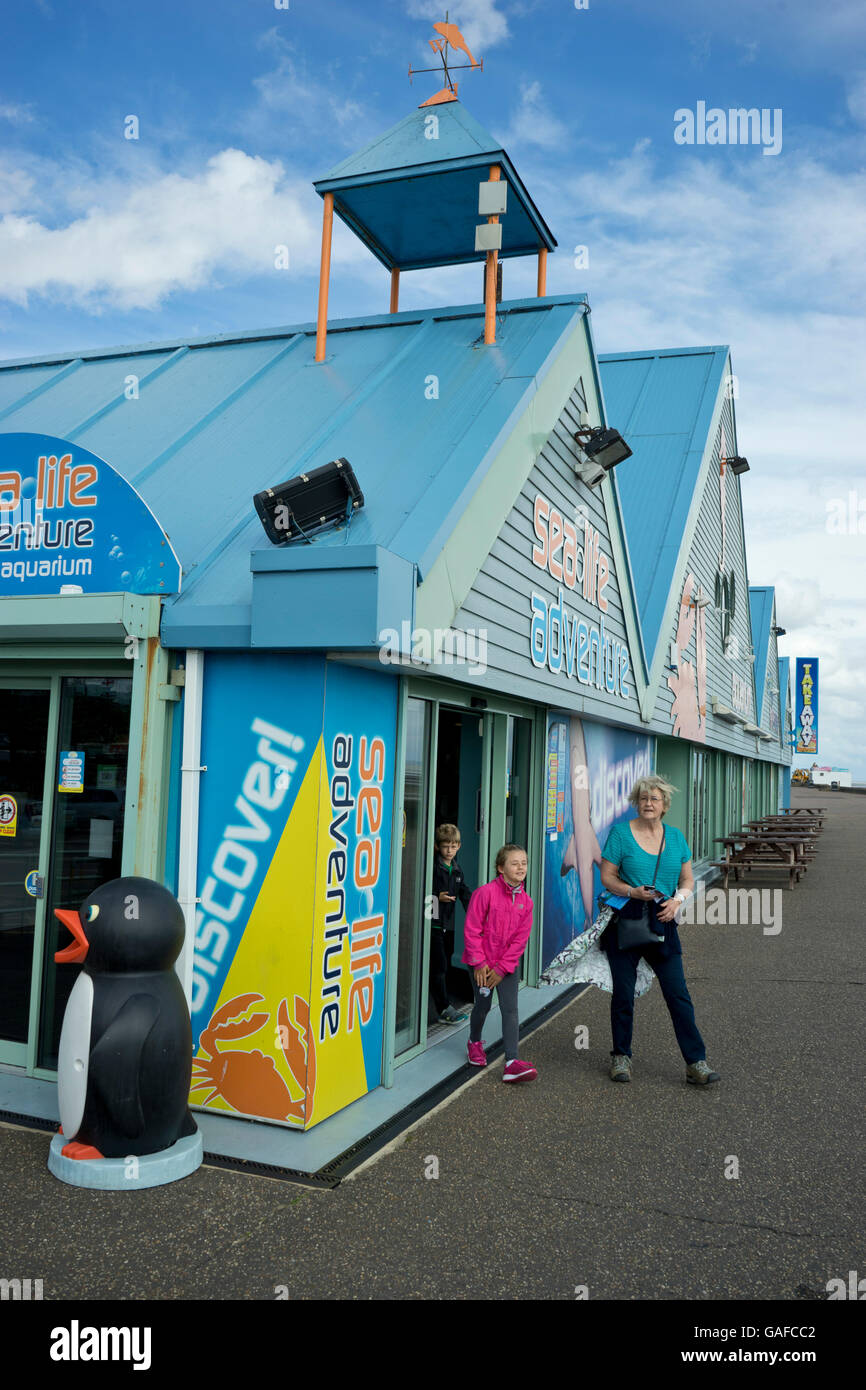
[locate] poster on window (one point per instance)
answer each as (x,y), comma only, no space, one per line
(601,766)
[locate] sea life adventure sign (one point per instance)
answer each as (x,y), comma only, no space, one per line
(69,520)
(562,640)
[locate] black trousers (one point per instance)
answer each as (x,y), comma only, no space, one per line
(441,951)
(669,972)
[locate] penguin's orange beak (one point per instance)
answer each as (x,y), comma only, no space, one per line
(75,952)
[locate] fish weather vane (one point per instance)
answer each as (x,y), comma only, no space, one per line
(448,36)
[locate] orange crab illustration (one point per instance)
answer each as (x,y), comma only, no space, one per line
(249,1081)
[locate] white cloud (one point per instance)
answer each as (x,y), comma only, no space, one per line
(725,251)
(532,123)
(138,243)
(856,98)
(16,113)
(480,22)
(310,103)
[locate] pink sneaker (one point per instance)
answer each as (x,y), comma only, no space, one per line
(477,1055)
(519,1071)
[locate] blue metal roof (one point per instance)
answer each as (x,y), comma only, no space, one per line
(413,200)
(219,419)
(761,613)
(662,402)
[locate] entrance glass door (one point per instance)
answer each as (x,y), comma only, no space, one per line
(464,765)
(411,971)
(64,744)
(24,713)
(89,792)
(507,822)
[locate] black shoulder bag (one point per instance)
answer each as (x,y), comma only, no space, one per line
(637,930)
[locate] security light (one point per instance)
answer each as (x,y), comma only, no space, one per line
(737,465)
(778,631)
(605,447)
(310,503)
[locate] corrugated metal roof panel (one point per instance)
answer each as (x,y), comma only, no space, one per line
(662,403)
(412,400)
(761,613)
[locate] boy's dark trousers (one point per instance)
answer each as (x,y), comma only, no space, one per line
(441,951)
(669,971)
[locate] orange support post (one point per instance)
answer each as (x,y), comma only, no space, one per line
(395,290)
(542,272)
(324,277)
(490,284)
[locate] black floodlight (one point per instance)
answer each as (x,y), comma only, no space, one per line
(310,503)
(605,447)
(738,465)
(778,631)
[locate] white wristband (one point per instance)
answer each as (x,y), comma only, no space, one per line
(680,897)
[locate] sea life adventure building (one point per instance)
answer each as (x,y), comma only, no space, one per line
(274,730)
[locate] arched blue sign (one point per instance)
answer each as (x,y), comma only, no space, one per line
(68,519)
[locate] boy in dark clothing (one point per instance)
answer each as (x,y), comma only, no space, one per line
(448,885)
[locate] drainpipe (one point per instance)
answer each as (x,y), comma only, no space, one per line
(190,778)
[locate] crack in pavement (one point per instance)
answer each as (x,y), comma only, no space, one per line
(684,1216)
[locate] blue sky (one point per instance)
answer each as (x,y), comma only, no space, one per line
(240,104)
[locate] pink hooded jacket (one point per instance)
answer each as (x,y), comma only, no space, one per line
(497,927)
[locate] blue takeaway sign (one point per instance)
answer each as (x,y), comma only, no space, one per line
(68,519)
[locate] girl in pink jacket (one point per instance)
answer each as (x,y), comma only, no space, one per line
(497,927)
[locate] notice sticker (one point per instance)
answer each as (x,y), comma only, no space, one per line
(8,815)
(71,772)
(34,884)
(101,836)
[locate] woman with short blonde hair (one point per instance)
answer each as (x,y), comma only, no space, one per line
(644,784)
(647,862)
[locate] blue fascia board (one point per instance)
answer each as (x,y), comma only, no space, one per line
(205,626)
(298,556)
(335,599)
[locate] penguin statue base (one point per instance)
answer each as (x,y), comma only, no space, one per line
(125,1174)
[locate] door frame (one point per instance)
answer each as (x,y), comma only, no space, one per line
(24,1054)
(93,635)
(444,693)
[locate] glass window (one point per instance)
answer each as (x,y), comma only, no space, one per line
(23,735)
(87,828)
(416,782)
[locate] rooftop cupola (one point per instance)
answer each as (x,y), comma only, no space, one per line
(436,189)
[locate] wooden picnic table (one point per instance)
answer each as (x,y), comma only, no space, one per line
(805,829)
(808,829)
(768,855)
(760,834)
(750,849)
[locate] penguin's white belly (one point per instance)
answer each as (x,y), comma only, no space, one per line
(74,1056)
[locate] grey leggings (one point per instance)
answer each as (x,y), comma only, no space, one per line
(506,996)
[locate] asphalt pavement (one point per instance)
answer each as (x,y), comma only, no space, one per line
(751,1188)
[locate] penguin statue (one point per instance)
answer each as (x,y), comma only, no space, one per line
(125,1059)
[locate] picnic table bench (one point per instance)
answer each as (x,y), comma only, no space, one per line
(752,849)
